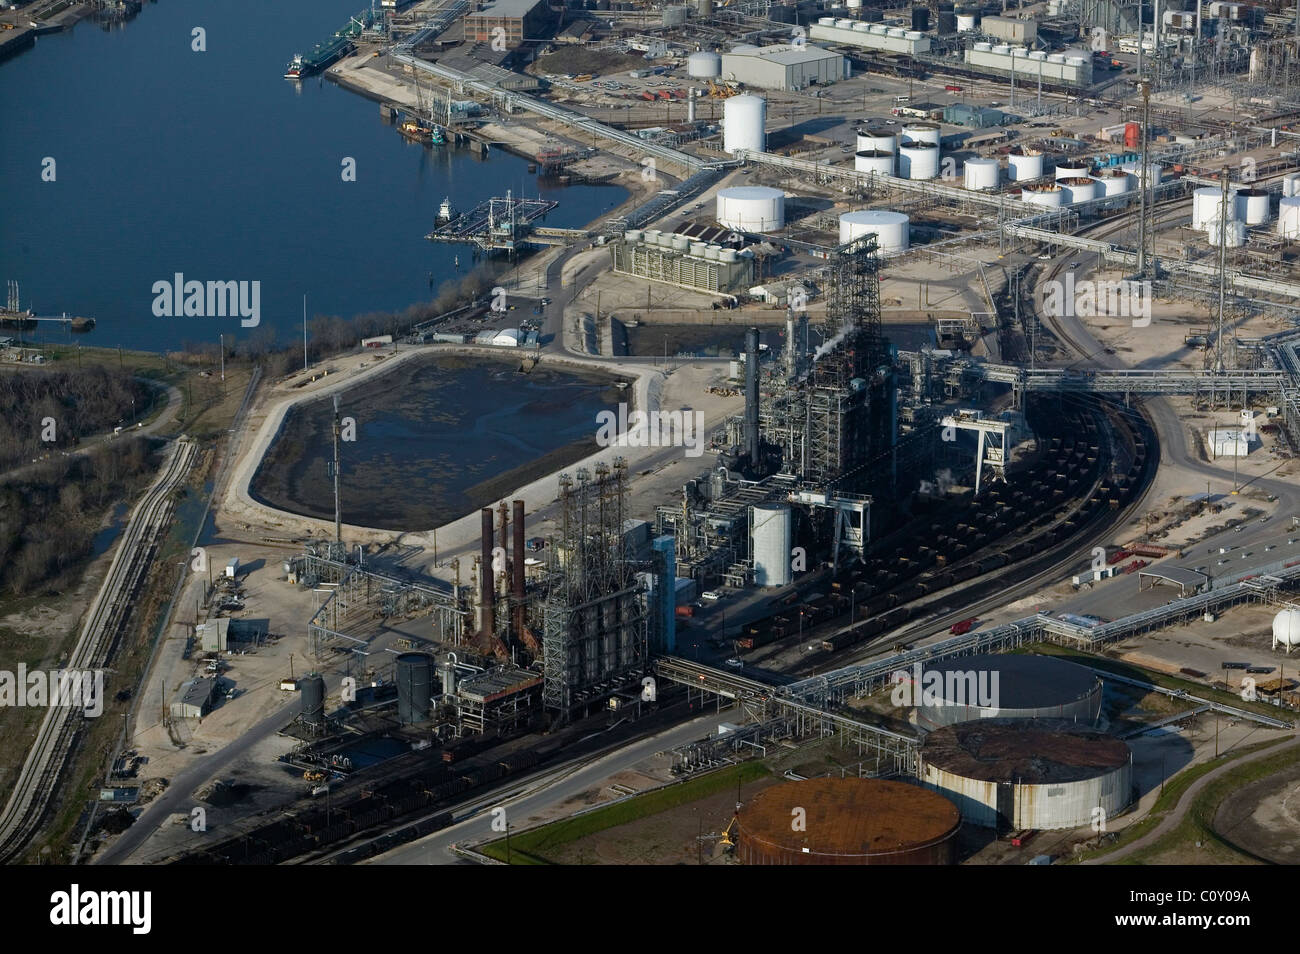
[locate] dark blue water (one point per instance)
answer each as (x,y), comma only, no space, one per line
(213,165)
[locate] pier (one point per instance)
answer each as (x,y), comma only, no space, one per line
(498,224)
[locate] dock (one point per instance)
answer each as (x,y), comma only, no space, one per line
(498,224)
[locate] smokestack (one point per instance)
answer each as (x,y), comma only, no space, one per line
(517,568)
(486,578)
(751,396)
(690,105)
(789,345)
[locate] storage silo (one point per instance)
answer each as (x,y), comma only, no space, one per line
(890,228)
(1290,183)
(1234,233)
(874,160)
(771,536)
(744,121)
(1115,181)
(1252,206)
(1079,189)
(313,699)
(1071,170)
(1024,164)
(1047,194)
(751,208)
(704,65)
(918,160)
(966,23)
(1288,217)
(1042,776)
(847,821)
(876,140)
(920,132)
(1208,206)
(980,174)
(674,16)
(413,673)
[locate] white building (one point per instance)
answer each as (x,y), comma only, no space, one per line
(783,66)
(1227,442)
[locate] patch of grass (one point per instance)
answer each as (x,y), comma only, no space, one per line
(530,847)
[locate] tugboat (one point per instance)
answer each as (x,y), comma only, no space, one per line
(294,69)
(436,137)
(445,211)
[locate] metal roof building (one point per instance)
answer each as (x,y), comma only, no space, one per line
(194,700)
(783,66)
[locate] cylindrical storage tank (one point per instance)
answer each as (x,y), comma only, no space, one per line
(1234,233)
(751,208)
(966,23)
(861,27)
(920,20)
(1286,629)
(704,65)
(1048,775)
(1055,57)
(681,243)
(651,236)
(855,6)
(414,676)
(913,34)
(921,132)
(918,160)
(697,248)
(1002,686)
(1290,183)
(713,253)
(1071,170)
(1002,49)
(879,29)
(1288,217)
(674,16)
(896,32)
(1038,55)
(313,699)
(826,21)
(633,235)
(981,174)
(1252,206)
(1050,195)
(1024,165)
(771,535)
(982,47)
(890,229)
(844,23)
(1132,135)
(744,121)
(874,160)
(729,255)
(871,140)
(847,821)
(447,672)
(704,8)
(1079,189)
(1154,171)
(1115,181)
(1208,206)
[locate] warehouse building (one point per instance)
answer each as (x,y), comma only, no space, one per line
(973,117)
(1227,442)
(783,66)
(194,700)
(519,19)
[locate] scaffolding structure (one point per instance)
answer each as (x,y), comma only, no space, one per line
(594,620)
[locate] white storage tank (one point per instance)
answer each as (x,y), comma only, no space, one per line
(1291,184)
(1207,206)
(1056,57)
(874,160)
(896,32)
(891,229)
(704,65)
(826,21)
(1079,189)
(921,132)
(870,140)
(1234,233)
(681,243)
(878,29)
(1038,55)
(965,22)
(1050,195)
(980,174)
(1252,206)
(1288,217)
(713,253)
(632,235)
(697,248)
(652,236)
(1286,629)
(1115,181)
(1024,164)
(1002,49)
(751,208)
(729,255)
(1154,171)
(918,160)
(771,536)
(912,34)
(983,47)
(744,121)
(844,23)
(861,27)
(1071,170)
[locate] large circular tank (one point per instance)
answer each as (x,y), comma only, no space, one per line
(889,228)
(414,675)
(999,686)
(1071,170)
(981,174)
(1046,776)
(918,160)
(1291,184)
(876,140)
(1252,206)
(704,65)
(1115,181)
(744,121)
(1234,233)
(965,22)
(1286,628)
(1024,164)
(751,208)
(681,243)
(1208,206)
(1079,189)
(1288,217)
(313,699)
(847,821)
(1047,194)
(1154,172)
(771,535)
(921,132)
(874,160)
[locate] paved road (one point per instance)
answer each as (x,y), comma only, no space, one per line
(435,849)
(1172,820)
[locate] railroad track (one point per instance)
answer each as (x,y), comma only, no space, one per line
(103,626)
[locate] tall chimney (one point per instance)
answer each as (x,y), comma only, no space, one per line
(751,396)
(486,578)
(517,568)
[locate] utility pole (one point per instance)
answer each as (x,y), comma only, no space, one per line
(1223,271)
(221,346)
(1143,172)
(338,521)
(304,332)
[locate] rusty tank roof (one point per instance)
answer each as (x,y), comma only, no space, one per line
(1043,751)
